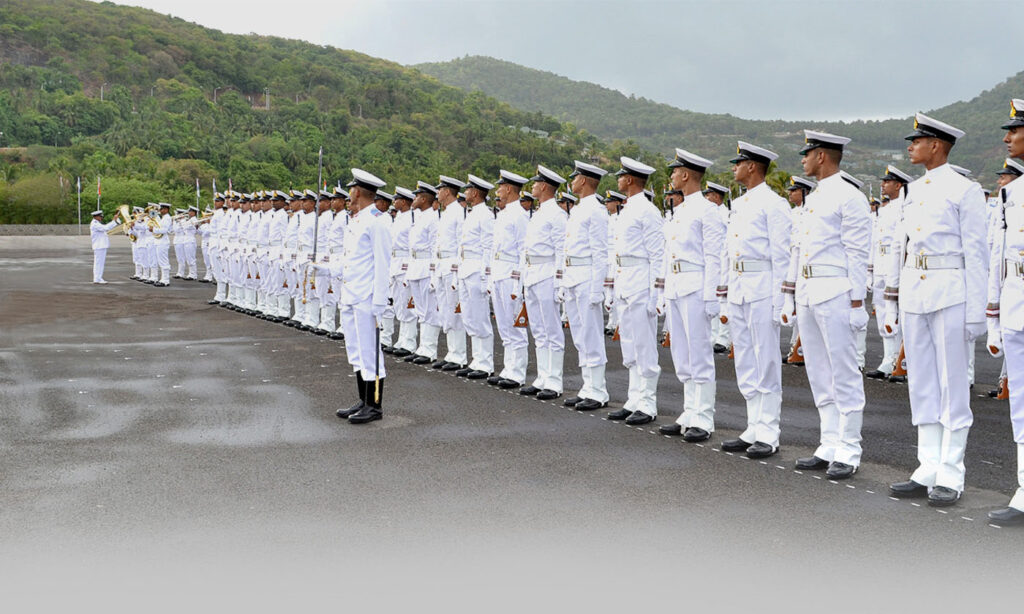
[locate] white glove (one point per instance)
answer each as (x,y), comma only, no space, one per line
(973,330)
(378,310)
(890,325)
(660,306)
(712,309)
(560,295)
(722,315)
(609,299)
(788,316)
(652,304)
(995,338)
(858,318)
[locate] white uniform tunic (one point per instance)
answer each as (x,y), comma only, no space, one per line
(584,265)
(830,270)
(399,265)
(475,245)
(941,288)
(449,233)
(163,245)
(1006,289)
(504,283)
(639,250)
(692,269)
(757,241)
(364,289)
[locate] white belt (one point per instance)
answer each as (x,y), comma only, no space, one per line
(500,257)
(1014,266)
(471,255)
(336,250)
(445,254)
(628,261)
(809,271)
(399,253)
(578,260)
(421,255)
(685,266)
(752,266)
(925,262)
(531,260)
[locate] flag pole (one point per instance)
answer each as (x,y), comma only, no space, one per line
(79,205)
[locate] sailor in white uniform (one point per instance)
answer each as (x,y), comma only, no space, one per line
(504,282)
(639,250)
(476,239)
(100,243)
(445,274)
(406,343)
(825,290)
(940,288)
(717,193)
(757,239)
(420,273)
(692,268)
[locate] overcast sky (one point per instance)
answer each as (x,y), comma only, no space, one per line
(762,59)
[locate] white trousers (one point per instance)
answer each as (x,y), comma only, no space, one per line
(163,261)
(830,352)
(1013,348)
(476,317)
(548,334)
(451,323)
(720,333)
(361,341)
(890,345)
(586,323)
(99,259)
(693,357)
(638,337)
(188,254)
(936,353)
(755,338)
(515,341)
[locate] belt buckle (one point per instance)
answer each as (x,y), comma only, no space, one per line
(1020,268)
(921,261)
(568,261)
(805,271)
(737,266)
(618,260)
(675,267)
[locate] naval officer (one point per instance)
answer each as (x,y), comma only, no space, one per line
(100,243)
(825,289)
(940,290)
(504,282)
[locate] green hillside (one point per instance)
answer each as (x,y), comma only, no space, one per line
(158,128)
(611,115)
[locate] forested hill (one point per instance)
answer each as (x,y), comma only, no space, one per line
(611,115)
(158,126)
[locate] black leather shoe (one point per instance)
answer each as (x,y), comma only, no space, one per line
(413,358)
(508,384)
(529,391)
(400,352)
(812,463)
(304,328)
(759,449)
(619,414)
(941,496)
(387,349)
(671,429)
(589,405)
(571,401)
(346,413)
(463,372)
(720,349)
(908,490)
(420,360)
(176,277)
(734,445)
(438,364)
(638,417)
(452,366)
(840,471)
(336,336)
(366,414)
(1006,517)
(897,379)
(319,332)
(493,380)
(876,374)
(212,302)
(547,395)
(476,374)
(695,434)
(291,323)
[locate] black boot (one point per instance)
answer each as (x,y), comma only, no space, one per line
(361,385)
(372,410)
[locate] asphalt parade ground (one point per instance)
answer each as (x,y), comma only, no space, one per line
(159,451)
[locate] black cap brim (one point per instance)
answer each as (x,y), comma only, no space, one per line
(1013,123)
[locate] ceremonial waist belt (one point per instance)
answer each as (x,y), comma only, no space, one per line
(578,260)
(884,249)
(471,255)
(925,262)
(421,255)
(531,260)
(399,253)
(752,266)
(809,271)
(336,250)
(445,254)
(1014,267)
(501,257)
(685,266)
(629,261)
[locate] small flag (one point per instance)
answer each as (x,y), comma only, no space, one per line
(99,189)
